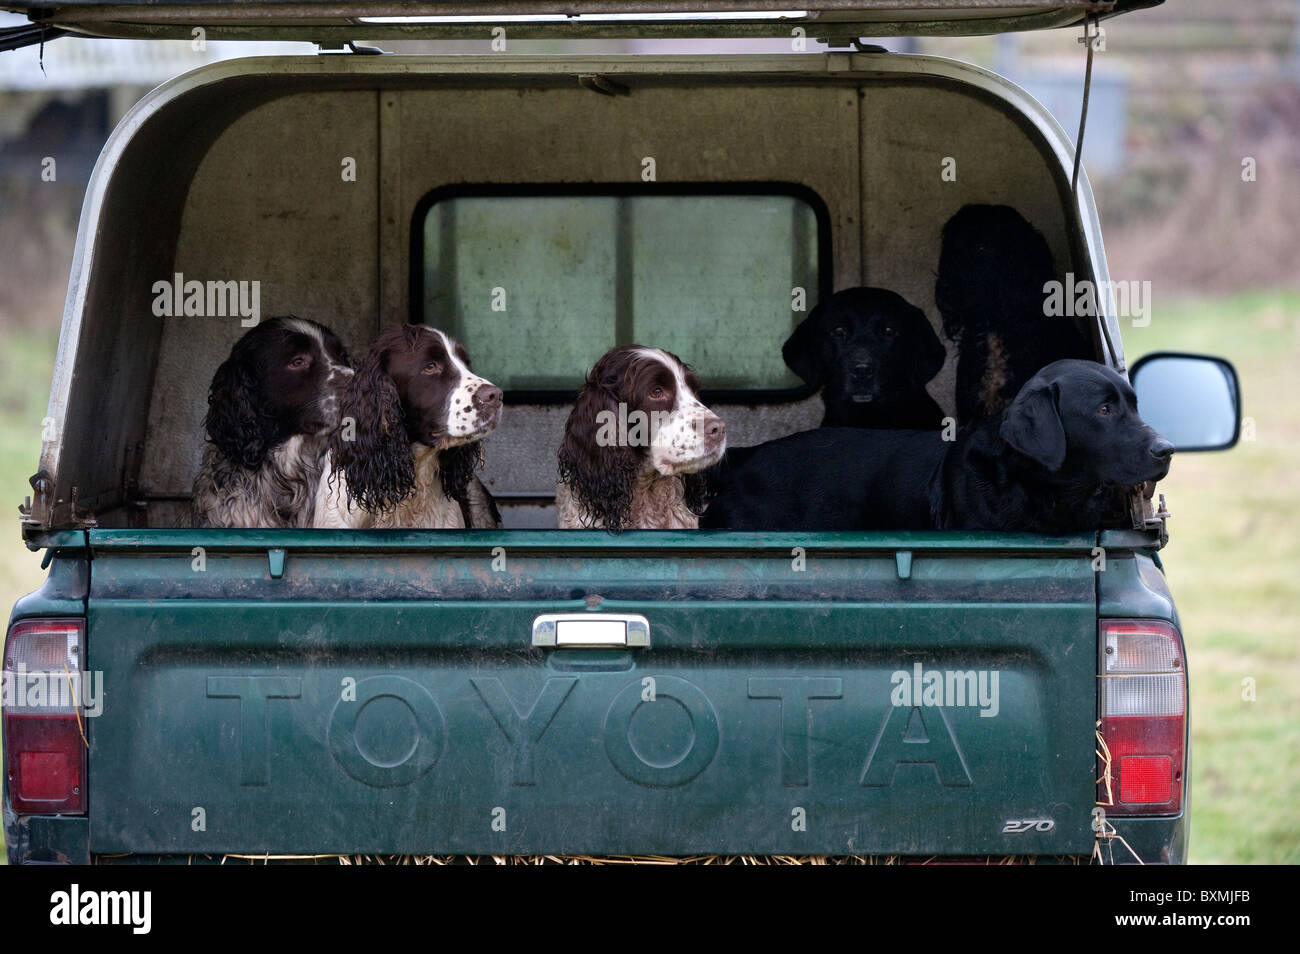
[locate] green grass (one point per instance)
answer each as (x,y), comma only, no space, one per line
(1233,561)
(26,365)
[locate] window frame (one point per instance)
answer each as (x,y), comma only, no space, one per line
(516,396)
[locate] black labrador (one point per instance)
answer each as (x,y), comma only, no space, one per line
(871,352)
(1048,464)
(993,266)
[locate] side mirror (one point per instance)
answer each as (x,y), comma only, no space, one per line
(1191,399)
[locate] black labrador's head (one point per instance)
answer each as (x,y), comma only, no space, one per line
(865,346)
(1079,420)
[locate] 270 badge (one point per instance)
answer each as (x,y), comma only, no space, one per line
(1015,826)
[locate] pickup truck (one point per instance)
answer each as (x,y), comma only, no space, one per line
(176,692)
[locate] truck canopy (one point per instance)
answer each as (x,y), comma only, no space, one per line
(337,187)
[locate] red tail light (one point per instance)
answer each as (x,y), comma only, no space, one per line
(1143,705)
(44,722)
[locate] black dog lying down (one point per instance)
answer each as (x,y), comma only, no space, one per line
(871,353)
(1047,465)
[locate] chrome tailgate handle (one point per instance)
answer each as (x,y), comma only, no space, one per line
(591,630)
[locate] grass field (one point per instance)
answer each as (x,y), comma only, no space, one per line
(1233,561)
(26,364)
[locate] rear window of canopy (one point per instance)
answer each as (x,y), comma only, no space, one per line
(538,284)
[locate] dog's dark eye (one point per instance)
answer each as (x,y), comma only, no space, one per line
(432,368)
(658,393)
(888,330)
(299,362)
(840,334)
(1105,409)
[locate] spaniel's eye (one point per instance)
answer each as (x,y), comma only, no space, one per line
(432,368)
(1105,409)
(657,393)
(888,329)
(299,362)
(840,334)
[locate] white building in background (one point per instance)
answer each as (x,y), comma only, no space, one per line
(73,62)
(66,98)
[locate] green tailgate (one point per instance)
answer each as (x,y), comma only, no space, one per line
(322,692)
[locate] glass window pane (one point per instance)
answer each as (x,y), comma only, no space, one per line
(539,287)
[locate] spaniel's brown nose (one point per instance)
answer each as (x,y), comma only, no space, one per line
(487,397)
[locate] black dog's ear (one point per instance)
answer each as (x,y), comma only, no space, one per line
(594,461)
(803,350)
(1032,425)
(456,465)
(929,350)
(239,421)
(376,461)
(697,491)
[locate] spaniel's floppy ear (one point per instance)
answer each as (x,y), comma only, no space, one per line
(456,466)
(376,461)
(239,421)
(802,351)
(1032,425)
(595,459)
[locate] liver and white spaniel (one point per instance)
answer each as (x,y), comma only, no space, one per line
(271,406)
(634,445)
(407,444)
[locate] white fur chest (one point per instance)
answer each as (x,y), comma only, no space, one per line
(658,503)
